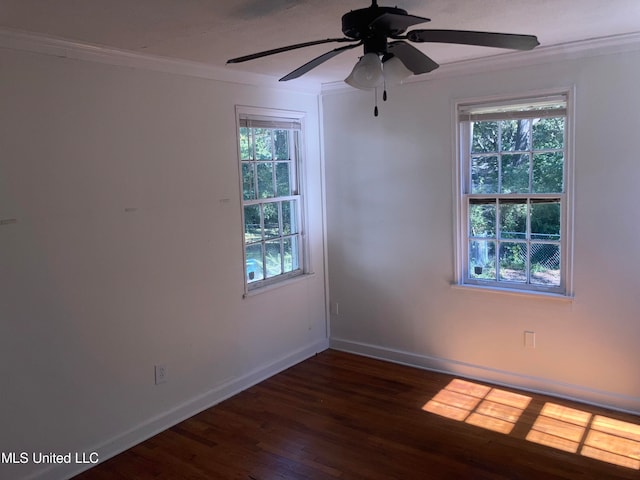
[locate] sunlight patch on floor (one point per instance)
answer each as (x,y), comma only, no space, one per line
(602,438)
(479,405)
(559,427)
(613,441)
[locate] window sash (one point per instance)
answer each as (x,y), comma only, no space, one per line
(294,240)
(546,107)
(269,122)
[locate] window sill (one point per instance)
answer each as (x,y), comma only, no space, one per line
(519,293)
(283,283)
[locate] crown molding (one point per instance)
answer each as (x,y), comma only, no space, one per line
(553,53)
(58,47)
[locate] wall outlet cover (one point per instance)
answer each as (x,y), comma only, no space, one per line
(160,374)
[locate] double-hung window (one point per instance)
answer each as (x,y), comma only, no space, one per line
(514,211)
(270,149)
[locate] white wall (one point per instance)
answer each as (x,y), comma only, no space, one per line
(92,295)
(390,211)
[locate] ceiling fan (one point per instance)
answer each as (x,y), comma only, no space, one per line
(387,55)
(374,26)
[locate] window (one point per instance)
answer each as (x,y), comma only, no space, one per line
(272,202)
(514,203)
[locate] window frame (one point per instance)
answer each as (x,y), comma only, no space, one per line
(463,195)
(277,117)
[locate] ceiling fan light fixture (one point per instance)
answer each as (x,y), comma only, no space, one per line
(394,71)
(367,73)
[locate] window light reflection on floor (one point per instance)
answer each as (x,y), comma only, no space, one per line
(557,426)
(602,438)
(613,441)
(479,405)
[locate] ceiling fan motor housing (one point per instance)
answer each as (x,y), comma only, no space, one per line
(357,23)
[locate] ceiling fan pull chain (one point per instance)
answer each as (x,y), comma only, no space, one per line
(384,92)
(375,109)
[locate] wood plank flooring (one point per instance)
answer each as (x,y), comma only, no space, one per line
(342,416)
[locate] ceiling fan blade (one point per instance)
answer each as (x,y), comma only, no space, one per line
(287,48)
(413,59)
(392,22)
(317,61)
(481,39)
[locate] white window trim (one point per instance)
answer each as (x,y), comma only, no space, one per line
(305,260)
(460,226)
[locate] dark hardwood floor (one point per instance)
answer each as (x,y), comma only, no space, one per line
(343,416)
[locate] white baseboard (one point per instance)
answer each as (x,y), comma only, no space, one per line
(610,400)
(155,425)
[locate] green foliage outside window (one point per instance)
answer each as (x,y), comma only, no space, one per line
(522,157)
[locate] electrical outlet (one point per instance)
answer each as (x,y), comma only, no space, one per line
(530,339)
(161,374)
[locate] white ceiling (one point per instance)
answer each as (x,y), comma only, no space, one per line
(212,31)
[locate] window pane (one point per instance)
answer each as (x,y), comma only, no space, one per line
(281,139)
(482,220)
(246,152)
(513,193)
(269,170)
(513,262)
(291,254)
(485,137)
(482,259)
(254,269)
(265,180)
(262,139)
(290,217)
(548,133)
(545,264)
(252,229)
(248,181)
(484,175)
(513,219)
(283,179)
(273,258)
(515,135)
(515,174)
(545,221)
(548,171)
(271,223)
